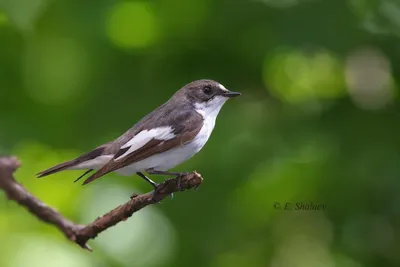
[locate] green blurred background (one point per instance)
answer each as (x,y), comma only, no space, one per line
(318,122)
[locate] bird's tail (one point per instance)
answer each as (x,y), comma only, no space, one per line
(68,164)
(57,168)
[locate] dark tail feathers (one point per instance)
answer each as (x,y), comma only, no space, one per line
(65,165)
(57,168)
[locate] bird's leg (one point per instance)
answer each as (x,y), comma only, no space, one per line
(147,179)
(178,175)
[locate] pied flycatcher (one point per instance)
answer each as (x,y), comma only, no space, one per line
(163,139)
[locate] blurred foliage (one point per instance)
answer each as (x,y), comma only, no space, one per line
(318,122)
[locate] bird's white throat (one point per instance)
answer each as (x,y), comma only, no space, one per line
(210,109)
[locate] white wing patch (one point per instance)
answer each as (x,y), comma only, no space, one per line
(222,87)
(142,138)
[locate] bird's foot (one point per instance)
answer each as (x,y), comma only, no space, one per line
(154,199)
(155,192)
(180,177)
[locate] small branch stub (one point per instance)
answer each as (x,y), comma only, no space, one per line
(77,233)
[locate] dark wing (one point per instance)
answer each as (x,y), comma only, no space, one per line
(190,124)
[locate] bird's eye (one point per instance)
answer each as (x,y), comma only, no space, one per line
(207,90)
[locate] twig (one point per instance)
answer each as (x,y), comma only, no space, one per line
(77,233)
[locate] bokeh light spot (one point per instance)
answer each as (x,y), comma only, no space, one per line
(55,70)
(369,79)
(296,76)
(23,13)
(3,18)
(132,25)
(378,17)
(283,177)
(35,250)
(182,17)
(59,192)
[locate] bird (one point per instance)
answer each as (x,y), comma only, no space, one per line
(163,139)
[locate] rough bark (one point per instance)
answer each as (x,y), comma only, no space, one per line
(79,233)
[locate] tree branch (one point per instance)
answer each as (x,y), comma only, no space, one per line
(78,233)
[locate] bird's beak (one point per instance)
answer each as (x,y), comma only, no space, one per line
(231,94)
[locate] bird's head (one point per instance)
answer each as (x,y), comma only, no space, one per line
(207,96)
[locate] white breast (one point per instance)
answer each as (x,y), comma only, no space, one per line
(173,157)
